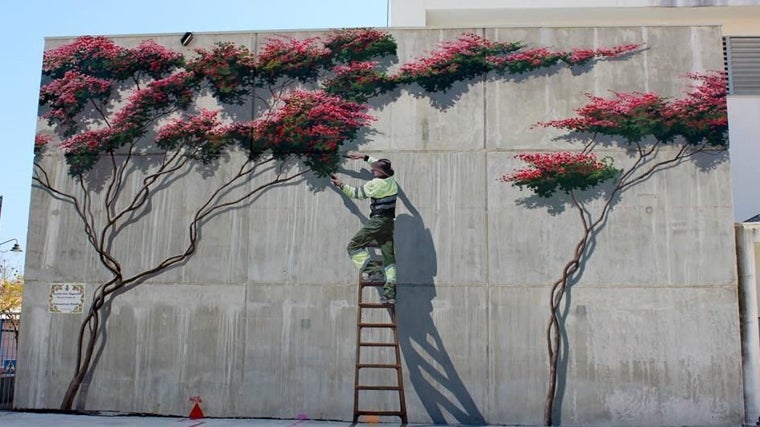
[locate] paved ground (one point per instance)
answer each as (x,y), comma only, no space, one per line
(33,419)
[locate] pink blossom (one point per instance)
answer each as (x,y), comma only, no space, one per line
(203,135)
(467,44)
(66,96)
(150,58)
(194,127)
(614,51)
(290,57)
(42,140)
(566,171)
(142,105)
(308,119)
(230,69)
(87,141)
(534,56)
(355,68)
(87,54)
(581,55)
(545,164)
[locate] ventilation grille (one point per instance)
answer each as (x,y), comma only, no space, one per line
(742,60)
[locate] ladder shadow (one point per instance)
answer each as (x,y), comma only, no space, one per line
(429,368)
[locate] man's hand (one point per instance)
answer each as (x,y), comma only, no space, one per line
(336,181)
(355,155)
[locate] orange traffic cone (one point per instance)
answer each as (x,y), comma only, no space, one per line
(196,412)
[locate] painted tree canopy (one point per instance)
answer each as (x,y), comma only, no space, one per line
(697,121)
(91,74)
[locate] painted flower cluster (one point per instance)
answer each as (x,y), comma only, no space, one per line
(563,171)
(359,44)
(471,56)
(701,116)
(308,125)
(229,69)
(462,59)
(358,81)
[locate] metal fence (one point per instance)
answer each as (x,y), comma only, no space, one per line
(8,350)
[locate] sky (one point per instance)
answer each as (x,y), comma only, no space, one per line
(27,23)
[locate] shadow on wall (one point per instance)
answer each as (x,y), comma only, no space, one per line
(430,369)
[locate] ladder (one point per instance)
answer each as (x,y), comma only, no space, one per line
(374,340)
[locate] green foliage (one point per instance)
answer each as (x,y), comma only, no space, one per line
(11,290)
(359,44)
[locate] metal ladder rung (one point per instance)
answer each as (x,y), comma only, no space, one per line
(377,387)
(374,305)
(378,365)
(377,325)
(377,344)
(381,413)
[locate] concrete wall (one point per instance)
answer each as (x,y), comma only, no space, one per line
(261,322)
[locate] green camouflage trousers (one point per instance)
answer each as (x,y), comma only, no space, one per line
(380,230)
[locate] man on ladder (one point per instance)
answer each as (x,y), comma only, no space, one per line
(382,191)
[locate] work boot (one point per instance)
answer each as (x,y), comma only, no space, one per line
(373,273)
(389,293)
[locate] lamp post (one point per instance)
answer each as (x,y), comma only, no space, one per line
(15,248)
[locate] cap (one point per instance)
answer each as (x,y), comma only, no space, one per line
(384,166)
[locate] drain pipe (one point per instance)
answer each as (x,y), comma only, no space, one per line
(746,236)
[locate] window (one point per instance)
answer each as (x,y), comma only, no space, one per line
(742,62)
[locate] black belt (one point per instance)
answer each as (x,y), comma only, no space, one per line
(389,215)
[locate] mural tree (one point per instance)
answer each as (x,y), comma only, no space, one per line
(129,123)
(658,133)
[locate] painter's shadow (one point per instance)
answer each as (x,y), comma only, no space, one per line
(430,369)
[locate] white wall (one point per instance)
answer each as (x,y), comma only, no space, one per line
(748,259)
(740,19)
(744,133)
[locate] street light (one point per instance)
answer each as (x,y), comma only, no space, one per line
(16,247)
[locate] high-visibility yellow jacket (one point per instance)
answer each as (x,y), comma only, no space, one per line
(382,191)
